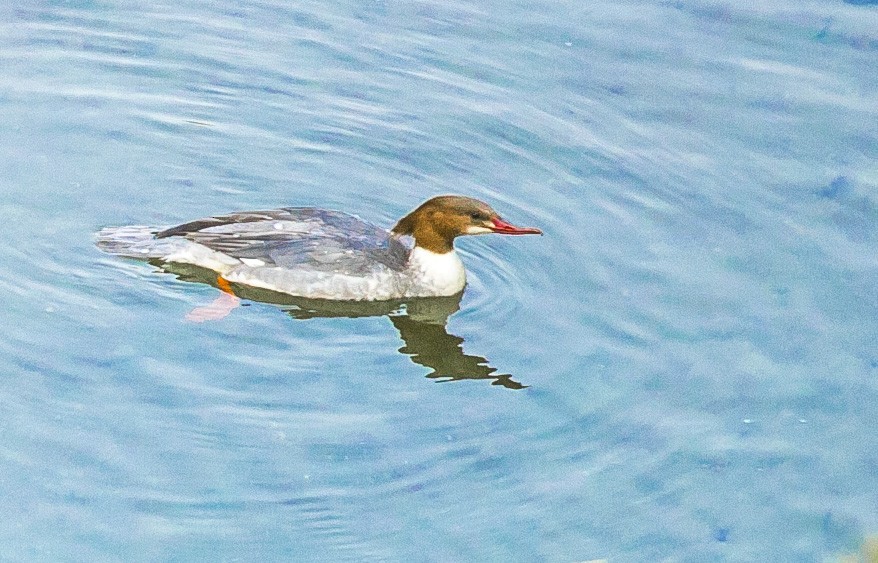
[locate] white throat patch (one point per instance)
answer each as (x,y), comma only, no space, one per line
(477,230)
(437,274)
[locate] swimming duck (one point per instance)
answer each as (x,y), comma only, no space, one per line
(324,254)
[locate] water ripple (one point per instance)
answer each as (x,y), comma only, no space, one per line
(696,326)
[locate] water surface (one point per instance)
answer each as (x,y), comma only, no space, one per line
(693,341)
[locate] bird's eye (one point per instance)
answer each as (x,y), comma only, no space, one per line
(478,216)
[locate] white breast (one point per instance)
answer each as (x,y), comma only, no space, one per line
(435,274)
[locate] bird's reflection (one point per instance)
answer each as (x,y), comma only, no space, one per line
(421,324)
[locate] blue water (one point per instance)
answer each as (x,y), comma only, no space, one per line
(693,342)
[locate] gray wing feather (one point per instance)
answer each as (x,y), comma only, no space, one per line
(295,237)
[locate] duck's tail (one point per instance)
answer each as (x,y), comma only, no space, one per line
(134,242)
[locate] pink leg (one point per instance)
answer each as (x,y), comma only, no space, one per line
(220,308)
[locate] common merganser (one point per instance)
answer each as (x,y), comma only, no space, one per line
(322,254)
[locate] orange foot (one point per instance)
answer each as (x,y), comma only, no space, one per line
(219,308)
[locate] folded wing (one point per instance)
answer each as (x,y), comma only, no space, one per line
(298,237)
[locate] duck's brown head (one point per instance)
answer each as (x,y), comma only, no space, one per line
(438,221)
